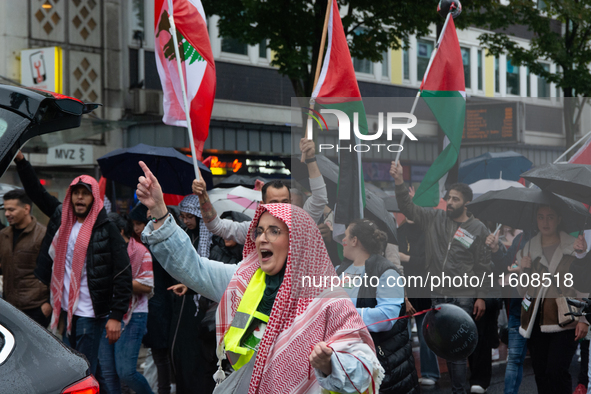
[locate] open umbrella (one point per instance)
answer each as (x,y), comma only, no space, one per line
(328,169)
(237,199)
(517,207)
(374,205)
(175,171)
(491,164)
(569,180)
(487,185)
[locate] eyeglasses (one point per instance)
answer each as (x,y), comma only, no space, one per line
(182,216)
(271,233)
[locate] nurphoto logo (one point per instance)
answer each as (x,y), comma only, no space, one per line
(358,137)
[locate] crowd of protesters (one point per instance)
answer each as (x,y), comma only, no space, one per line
(215,295)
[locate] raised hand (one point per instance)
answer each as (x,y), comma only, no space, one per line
(397,173)
(149,192)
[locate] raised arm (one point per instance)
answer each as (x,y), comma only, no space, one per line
(173,249)
(421,216)
(315,204)
(36,192)
(225,228)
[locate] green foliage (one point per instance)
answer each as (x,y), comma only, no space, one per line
(561,34)
(294,29)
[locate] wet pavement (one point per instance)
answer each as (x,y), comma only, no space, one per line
(497,385)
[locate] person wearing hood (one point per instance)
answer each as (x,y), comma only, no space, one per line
(190,357)
(84,261)
(281,333)
(159,308)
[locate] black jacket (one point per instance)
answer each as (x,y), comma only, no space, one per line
(107,263)
(393,347)
(219,251)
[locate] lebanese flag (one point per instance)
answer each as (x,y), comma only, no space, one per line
(197,63)
(443,89)
(337,88)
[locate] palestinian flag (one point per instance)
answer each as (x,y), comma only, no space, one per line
(197,64)
(337,89)
(444,91)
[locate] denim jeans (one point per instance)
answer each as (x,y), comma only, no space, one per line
(458,371)
(429,363)
(86,338)
(119,361)
(516,352)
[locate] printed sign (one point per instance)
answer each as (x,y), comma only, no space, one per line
(41,68)
(70,154)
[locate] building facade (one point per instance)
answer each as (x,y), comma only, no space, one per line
(107,56)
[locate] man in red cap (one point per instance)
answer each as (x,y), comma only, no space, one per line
(84,260)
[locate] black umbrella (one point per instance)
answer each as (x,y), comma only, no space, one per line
(391,204)
(375,208)
(569,180)
(517,207)
(240,180)
(175,171)
(328,169)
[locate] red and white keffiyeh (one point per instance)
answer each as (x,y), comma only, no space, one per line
(59,248)
(141,271)
(301,316)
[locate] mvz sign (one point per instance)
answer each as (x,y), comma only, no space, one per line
(70,154)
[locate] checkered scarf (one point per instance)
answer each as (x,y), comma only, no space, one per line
(190,204)
(301,317)
(59,248)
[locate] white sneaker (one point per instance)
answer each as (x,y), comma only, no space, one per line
(427,382)
(477,389)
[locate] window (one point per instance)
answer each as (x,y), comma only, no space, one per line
(233,45)
(466,63)
(497,76)
(513,78)
(405,65)
(543,84)
(385,64)
(480,70)
(263,49)
(528,77)
(363,65)
(424,50)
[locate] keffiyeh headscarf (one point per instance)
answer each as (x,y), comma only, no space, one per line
(59,248)
(301,317)
(190,205)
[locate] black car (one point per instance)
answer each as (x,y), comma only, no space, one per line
(32,360)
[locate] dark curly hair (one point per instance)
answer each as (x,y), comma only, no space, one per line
(371,237)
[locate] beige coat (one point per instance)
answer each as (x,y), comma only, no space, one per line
(543,299)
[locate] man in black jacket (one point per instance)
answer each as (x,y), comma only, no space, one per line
(84,260)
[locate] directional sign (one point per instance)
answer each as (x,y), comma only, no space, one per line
(70,154)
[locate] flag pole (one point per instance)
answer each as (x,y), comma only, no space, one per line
(414,105)
(182,78)
(308,128)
